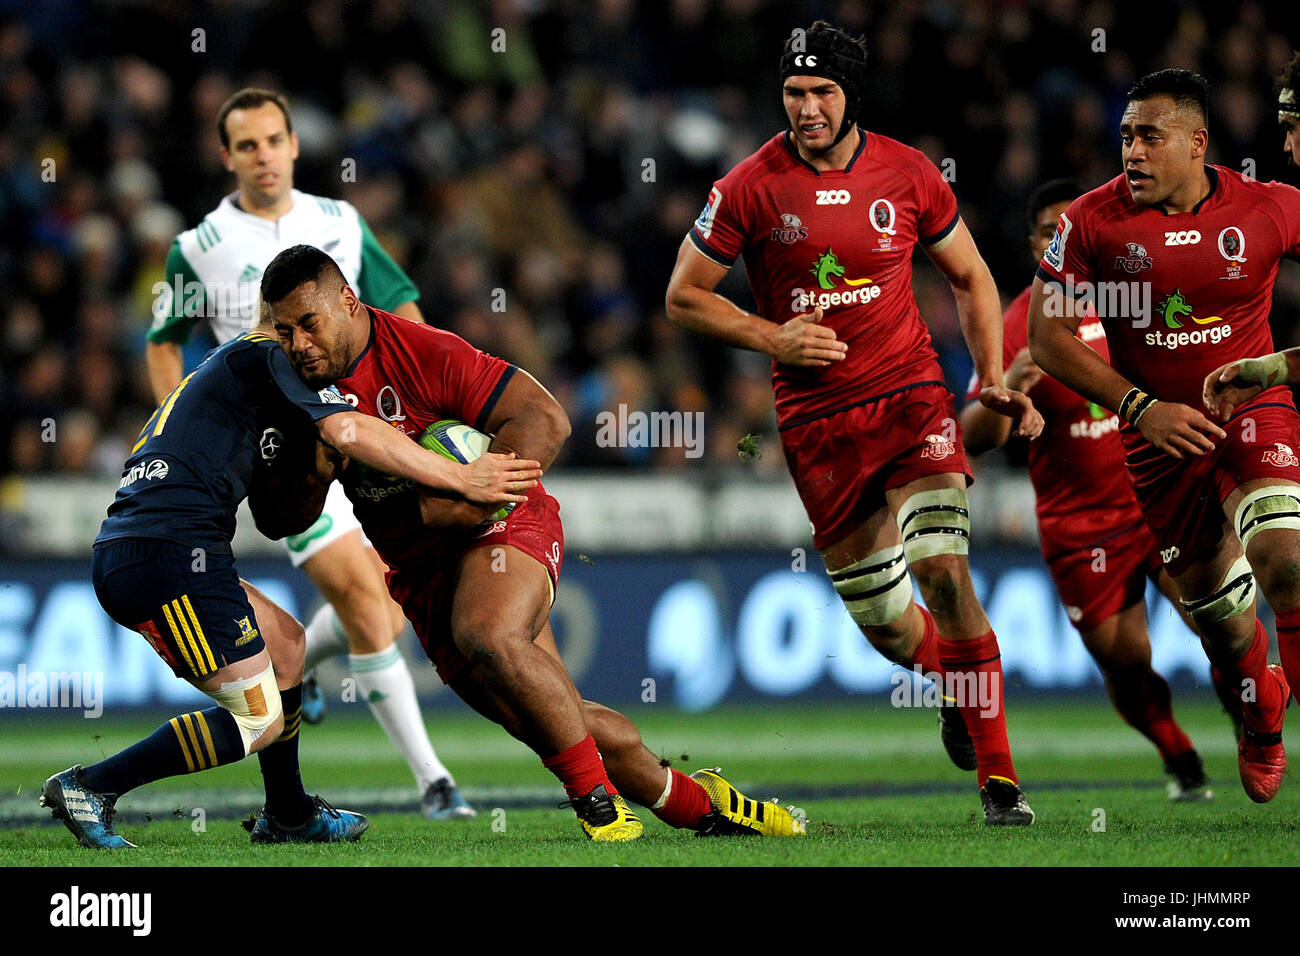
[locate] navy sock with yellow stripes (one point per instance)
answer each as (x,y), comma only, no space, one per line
(184,744)
(286,800)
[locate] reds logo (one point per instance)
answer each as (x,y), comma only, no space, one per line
(1281,457)
(1135,258)
(1232,244)
(790,231)
(938,447)
(882,216)
(389,405)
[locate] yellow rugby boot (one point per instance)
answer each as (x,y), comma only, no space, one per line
(605,818)
(734,814)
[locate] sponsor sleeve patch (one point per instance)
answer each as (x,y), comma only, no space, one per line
(705,223)
(1055,254)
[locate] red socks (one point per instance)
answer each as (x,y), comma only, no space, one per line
(973,672)
(927,652)
(580,769)
(1143,700)
(686,804)
(1288,645)
(1264,713)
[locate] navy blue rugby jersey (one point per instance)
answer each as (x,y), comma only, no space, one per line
(194,459)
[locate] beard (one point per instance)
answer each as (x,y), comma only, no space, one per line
(323,373)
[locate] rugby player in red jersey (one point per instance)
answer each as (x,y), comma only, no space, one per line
(1198,298)
(1090,529)
(867,426)
(478,591)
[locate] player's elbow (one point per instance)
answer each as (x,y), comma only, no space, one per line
(678,302)
(557,426)
(1041,342)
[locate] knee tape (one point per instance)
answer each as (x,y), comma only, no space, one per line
(935,522)
(1234,596)
(877,589)
(254,702)
(1275,506)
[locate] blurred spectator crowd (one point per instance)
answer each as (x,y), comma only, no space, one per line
(537,194)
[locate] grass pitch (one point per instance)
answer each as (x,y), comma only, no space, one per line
(873,781)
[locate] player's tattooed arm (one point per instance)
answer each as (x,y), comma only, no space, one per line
(691,303)
(1176,429)
(1228,386)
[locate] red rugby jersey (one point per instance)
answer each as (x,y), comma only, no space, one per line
(1206,275)
(1077,464)
(412,375)
(842,240)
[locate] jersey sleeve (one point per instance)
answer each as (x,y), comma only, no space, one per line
(1068,254)
(174,318)
(719,233)
(459,379)
(938,213)
(382,282)
(319,404)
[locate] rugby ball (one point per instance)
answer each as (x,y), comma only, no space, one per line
(462,443)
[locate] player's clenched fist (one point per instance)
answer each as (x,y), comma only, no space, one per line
(1229,385)
(500,479)
(1179,430)
(1015,405)
(805,341)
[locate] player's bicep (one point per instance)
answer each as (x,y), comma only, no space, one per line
(519,396)
(956,256)
(1052,314)
(694,270)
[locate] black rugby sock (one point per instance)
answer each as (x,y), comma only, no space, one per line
(286,800)
(185,744)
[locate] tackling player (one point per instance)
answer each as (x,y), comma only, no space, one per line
(163,567)
(479,592)
(827,216)
(1180,258)
(212,271)
(1094,542)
